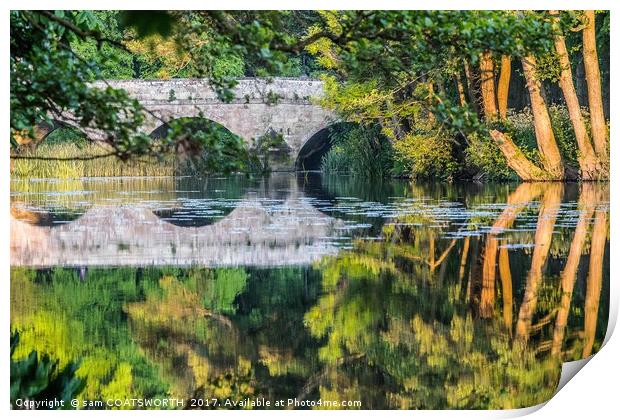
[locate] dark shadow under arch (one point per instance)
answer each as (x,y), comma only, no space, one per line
(312,152)
(316,147)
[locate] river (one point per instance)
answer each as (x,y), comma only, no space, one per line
(317,291)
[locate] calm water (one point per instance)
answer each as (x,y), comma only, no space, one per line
(336,291)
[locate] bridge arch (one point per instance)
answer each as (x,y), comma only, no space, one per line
(42,130)
(197,122)
(316,147)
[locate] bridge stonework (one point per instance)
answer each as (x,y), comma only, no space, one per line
(282,105)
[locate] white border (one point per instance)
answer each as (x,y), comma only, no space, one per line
(592,394)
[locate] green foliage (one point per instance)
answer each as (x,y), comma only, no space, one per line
(107,60)
(565,134)
(426,156)
(204,146)
(47,77)
(359,150)
(267,149)
(66,135)
(336,161)
(484,158)
(37,378)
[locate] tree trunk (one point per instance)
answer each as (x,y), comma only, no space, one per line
(503,85)
(431,96)
(431,252)
(600,135)
(516,202)
(506,279)
(588,162)
(461,90)
(547,145)
(517,161)
(471,86)
(487,294)
(595,280)
(542,241)
(474,269)
(487,86)
(569,274)
(464,258)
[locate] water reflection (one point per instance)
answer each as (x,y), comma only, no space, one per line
(420,297)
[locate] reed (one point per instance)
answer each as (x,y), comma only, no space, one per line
(101,167)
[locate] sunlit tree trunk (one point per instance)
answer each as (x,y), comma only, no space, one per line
(503,86)
(487,293)
(506,279)
(515,204)
(600,135)
(553,167)
(464,258)
(487,86)
(547,145)
(569,274)
(588,162)
(595,280)
(542,242)
(517,161)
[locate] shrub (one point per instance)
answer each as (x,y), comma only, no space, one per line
(267,149)
(426,155)
(358,150)
(39,378)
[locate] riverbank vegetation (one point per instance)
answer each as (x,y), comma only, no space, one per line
(450,73)
(434,94)
(62,166)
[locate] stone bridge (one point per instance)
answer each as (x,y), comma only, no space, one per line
(285,106)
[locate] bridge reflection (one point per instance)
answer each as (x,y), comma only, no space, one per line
(292,233)
(265,222)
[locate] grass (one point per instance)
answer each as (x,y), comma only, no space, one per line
(107,166)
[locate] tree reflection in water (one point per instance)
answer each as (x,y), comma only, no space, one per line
(431,316)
